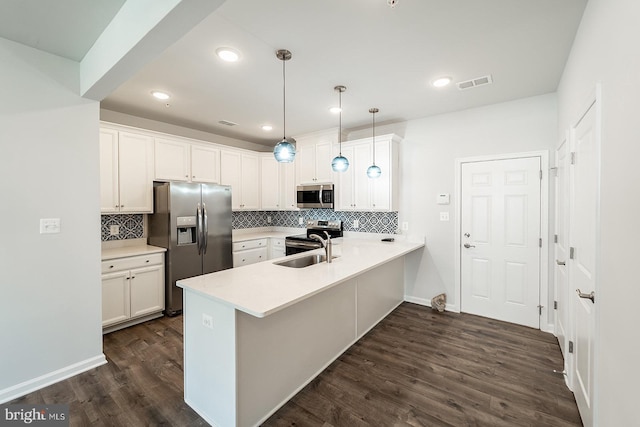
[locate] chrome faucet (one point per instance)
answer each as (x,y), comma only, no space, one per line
(326,244)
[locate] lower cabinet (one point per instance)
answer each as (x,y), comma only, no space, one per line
(276,248)
(132,290)
(250,252)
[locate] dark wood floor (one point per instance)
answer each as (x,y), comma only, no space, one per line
(417,368)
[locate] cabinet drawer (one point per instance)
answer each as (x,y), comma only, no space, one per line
(127,263)
(250,256)
(249,244)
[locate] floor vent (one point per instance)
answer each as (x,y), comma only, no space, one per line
(227,123)
(478,81)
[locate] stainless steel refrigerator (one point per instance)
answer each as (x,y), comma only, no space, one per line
(193,222)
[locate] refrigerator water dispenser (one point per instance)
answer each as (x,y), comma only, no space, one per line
(186,230)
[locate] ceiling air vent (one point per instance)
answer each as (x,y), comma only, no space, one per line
(227,123)
(478,81)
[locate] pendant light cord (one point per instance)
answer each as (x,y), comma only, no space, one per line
(374,138)
(284,102)
(340,120)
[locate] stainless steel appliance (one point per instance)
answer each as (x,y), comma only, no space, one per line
(193,222)
(315,196)
(303,243)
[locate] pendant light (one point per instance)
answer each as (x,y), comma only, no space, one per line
(284,151)
(374,171)
(340,163)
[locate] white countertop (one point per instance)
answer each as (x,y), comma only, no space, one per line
(265,234)
(127,251)
(264,288)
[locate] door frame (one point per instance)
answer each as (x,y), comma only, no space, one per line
(546,324)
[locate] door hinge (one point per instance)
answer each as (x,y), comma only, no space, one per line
(555,238)
(540,307)
(540,173)
(573,157)
(570,346)
(555,305)
(572,253)
(540,242)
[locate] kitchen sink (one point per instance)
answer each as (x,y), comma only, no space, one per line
(304,261)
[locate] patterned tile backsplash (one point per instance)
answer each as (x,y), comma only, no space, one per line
(370,222)
(132,226)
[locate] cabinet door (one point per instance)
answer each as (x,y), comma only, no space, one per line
(109,198)
(135,162)
(250,256)
(230,172)
(324,156)
(250,182)
(381,196)
(270,183)
(171,160)
(345,188)
(306,159)
(361,182)
(205,164)
(147,290)
(115,298)
(288,194)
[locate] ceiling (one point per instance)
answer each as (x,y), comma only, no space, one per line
(386,57)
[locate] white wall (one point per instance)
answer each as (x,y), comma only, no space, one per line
(606,50)
(428,153)
(50,304)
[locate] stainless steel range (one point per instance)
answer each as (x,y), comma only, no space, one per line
(303,243)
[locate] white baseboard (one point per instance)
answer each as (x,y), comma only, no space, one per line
(34,384)
(427,303)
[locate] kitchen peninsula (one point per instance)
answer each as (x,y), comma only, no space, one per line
(255,335)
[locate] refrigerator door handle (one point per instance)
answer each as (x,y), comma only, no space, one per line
(199,229)
(205,229)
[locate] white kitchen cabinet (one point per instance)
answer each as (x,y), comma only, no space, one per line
(277,247)
(126,172)
(355,190)
(277,184)
(177,160)
(241,170)
(132,290)
(314,156)
(250,252)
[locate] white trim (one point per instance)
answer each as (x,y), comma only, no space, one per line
(34,384)
(544,225)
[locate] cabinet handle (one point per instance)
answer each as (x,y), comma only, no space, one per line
(186,176)
(133,277)
(193,176)
(111,266)
(147,261)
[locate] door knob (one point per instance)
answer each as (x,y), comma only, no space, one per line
(560,262)
(591,296)
(466,245)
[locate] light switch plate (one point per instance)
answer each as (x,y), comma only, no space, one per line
(356,223)
(114,230)
(49,225)
(405,226)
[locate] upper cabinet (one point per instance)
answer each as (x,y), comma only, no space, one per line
(277,184)
(241,170)
(314,156)
(177,160)
(126,172)
(355,190)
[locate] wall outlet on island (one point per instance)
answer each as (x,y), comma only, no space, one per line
(405,226)
(207,320)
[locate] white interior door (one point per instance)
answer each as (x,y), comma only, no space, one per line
(500,232)
(561,273)
(582,265)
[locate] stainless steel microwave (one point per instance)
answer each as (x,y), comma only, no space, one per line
(315,196)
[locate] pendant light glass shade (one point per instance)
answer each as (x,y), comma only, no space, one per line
(340,163)
(374,171)
(284,151)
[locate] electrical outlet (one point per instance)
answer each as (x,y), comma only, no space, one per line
(444,216)
(268,219)
(300,220)
(356,223)
(405,226)
(114,230)
(49,225)
(207,321)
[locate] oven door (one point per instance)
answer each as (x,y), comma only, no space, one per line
(296,246)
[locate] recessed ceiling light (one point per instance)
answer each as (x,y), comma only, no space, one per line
(441,81)
(163,96)
(335,110)
(228,54)
(267,128)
